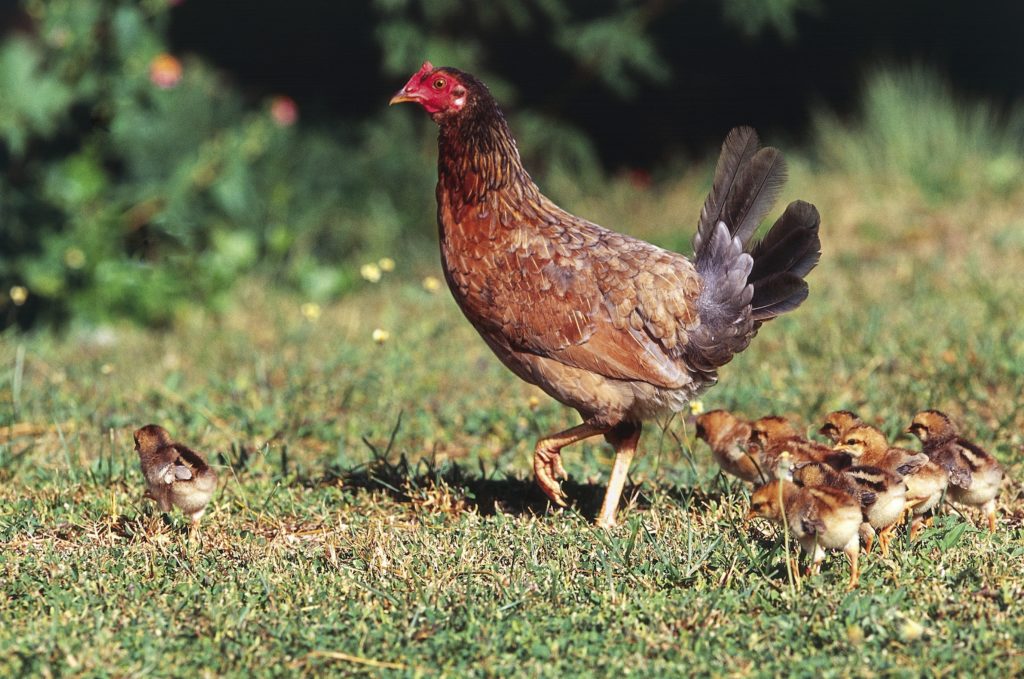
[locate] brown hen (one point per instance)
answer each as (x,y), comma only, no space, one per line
(610,325)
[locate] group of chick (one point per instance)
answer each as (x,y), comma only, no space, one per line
(856,490)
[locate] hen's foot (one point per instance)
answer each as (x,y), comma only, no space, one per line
(548,470)
(547,459)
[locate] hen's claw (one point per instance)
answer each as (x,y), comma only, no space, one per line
(548,469)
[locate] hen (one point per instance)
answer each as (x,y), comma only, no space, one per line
(610,325)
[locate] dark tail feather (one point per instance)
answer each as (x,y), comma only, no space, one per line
(744,284)
(747,182)
(786,254)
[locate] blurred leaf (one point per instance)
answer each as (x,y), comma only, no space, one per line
(756,16)
(614,48)
(33,101)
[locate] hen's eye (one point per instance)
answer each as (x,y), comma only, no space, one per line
(439,83)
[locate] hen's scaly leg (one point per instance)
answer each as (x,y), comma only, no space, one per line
(547,458)
(624,438)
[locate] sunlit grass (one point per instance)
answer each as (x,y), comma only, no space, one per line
(377,512)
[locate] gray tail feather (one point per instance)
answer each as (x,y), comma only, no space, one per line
(747,182)
(746,283)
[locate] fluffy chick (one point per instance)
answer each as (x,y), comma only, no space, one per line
(869,445)
(728,436)
(882,496)
(924,491)
(924,481)
(974,475)
(176,476)
(775,434)
(818,517)
(837,423)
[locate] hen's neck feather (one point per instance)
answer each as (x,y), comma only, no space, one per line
(478,157)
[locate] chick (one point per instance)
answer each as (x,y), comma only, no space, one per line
(729,439)
(837,423)
(819,518)
(868,445)
(924,491)
(974,475)
(882,496)
(775,434)
(924,481)
(176,476)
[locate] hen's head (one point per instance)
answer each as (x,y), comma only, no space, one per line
(442,91)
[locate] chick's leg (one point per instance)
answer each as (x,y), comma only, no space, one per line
(547,458)
(852,551)
(989,510)
(624,438)
(885,537)
(867,536)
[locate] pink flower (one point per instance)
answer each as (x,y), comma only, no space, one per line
(284,111)
(165,71)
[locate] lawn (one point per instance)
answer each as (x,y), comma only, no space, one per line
(377,515)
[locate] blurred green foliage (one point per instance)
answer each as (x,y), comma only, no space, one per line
(912,128)
(134,182)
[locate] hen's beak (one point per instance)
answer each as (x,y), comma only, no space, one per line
(401,97)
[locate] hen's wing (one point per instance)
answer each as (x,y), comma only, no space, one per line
(597,300)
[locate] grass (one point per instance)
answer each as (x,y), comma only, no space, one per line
(376,512)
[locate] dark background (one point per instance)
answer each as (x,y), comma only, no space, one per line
(323,53)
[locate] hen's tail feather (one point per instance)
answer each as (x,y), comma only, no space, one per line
(791,244)
(786,254)
(745,283)
(777,294)
(747,182)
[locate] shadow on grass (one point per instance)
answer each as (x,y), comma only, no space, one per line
(455,487)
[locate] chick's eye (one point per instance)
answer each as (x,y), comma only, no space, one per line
(439,83)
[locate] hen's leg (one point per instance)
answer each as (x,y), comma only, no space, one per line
(547,458)
(624,438)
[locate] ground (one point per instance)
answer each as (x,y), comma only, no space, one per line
(376,512)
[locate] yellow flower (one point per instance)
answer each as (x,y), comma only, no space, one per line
(74,258)
(696,407)
(381,336)
(911,630)
(19,293)
(370,272)
(386,264)
(311,311)
(431,284)
(106,369)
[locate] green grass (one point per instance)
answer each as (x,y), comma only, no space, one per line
(377,515)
